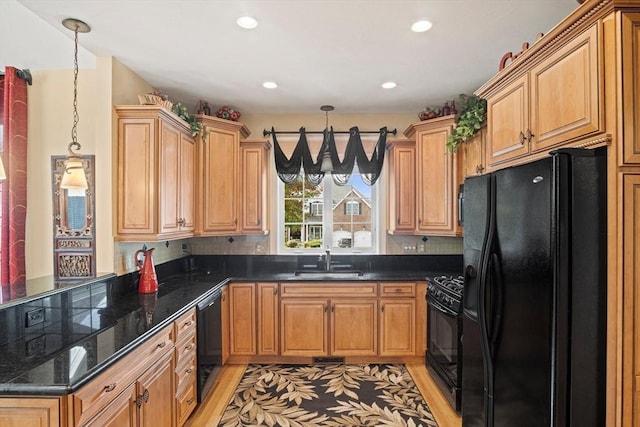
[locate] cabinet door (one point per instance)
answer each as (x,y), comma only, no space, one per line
(397,327)
(473,154)
(304,327)
(155,398)
(437,173)
(30,412)
(402,188)
(226,347)
(136,175)
(219,186)
(631,81)
(354,327)
(121,412)
(565,93)
(254,187)
(169,179)
(268,308)
(507,123)
(187,183)
(242,319)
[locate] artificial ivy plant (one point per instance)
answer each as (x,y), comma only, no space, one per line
(181,111)
(472,113)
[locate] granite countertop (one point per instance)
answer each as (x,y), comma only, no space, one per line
(100,333)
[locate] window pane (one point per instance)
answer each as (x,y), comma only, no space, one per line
(302,214)
(353,214)
(343,218)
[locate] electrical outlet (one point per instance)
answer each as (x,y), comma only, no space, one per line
(34,317)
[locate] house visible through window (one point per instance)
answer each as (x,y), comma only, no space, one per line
(348,225)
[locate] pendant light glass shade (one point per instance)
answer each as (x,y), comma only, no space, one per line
(74,176)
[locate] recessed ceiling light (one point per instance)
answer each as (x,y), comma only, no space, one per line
(270,85)
(247,22)
(421,26)
(389,85)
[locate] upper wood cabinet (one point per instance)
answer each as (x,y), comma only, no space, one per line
(232,185)
(437,178)
(473,157)
(557,100)
(401,214)
(218,185)
(156,157)
(254,185)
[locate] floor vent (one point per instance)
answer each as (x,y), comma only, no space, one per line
(328,359)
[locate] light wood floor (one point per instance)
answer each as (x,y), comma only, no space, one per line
(209,412)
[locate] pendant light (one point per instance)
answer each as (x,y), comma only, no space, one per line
(327,164)
(74,176)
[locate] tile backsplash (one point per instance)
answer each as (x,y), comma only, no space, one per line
(260,245)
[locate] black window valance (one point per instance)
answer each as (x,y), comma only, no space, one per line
(370,168)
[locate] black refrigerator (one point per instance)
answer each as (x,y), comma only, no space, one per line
(534,303)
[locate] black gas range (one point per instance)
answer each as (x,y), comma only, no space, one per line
(444,335)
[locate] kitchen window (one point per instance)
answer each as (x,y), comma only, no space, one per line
(314,217)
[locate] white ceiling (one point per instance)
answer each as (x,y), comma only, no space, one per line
(319,51)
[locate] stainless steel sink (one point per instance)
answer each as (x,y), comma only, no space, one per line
(320,275)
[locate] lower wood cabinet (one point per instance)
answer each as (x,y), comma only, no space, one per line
(31,412)
(353,327)
(304,327)
(397,327)
(365,320)
(268,310)
(242,319)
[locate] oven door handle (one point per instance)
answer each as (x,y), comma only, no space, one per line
(441,308)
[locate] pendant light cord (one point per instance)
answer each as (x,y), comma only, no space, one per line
(76,117)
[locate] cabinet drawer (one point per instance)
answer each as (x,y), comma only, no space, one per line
(185,324)
(186,348)
(398,289)
(185,373)
(328,289)
(94,397)
(186,402)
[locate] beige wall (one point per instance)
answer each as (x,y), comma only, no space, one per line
(50,107)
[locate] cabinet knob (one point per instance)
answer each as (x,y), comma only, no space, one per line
(189,323)
(189,370)
(382,308)
(397,290)
(522,138)
(162,344)
(190,401)
(275,291)
(479,169)
(189,347)
(529,135)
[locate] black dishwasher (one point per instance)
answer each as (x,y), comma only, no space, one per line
(209,342)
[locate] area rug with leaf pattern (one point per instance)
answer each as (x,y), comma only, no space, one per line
(327,395)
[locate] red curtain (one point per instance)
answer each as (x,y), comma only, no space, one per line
(14,189)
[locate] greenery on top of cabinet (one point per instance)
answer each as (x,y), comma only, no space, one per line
(469,120)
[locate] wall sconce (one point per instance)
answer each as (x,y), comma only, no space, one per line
(74,176)
(327,164)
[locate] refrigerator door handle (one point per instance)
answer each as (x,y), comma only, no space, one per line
(497,299)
